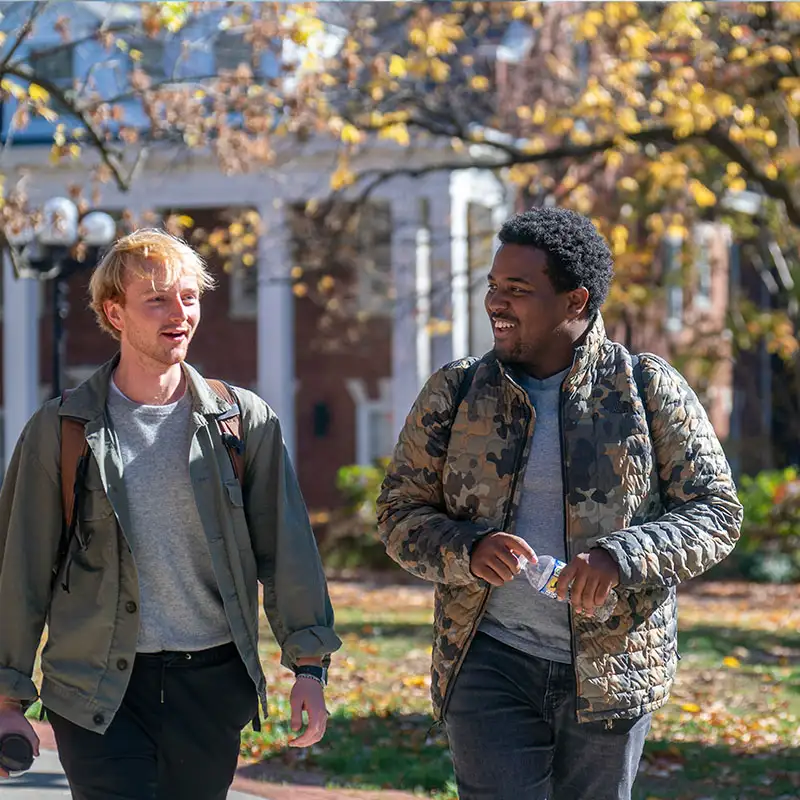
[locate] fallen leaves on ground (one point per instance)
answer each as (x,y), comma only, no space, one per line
(730,730)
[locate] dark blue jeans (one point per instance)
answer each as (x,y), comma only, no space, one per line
(514,734)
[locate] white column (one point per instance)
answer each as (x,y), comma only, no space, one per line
(459,264)
(358,392)
(405,333)
(20,354)
(423,315)
(275,326)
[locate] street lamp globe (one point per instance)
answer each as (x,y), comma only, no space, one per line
(59,224)
(97,229)
(19,234)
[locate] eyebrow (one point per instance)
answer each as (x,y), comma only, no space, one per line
(491,277)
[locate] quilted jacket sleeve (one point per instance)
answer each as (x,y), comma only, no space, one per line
(703,515)
(412,518)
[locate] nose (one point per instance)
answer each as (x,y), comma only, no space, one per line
(496,302)
(178,310)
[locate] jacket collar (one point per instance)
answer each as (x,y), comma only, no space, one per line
(88,401)
(586,353)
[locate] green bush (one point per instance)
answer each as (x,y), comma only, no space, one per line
(769,549)
(351,538)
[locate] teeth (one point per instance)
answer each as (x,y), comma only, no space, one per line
(503,325)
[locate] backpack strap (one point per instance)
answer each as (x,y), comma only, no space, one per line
(230,426)
(74,463)
(463,388)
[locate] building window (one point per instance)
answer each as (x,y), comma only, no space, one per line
(374,431)
(243,291)
(231,50)
(374,259)
(54,64)
(702,266)
(352,245)
(379,432)
(153,58)
(480,251)
(672,246)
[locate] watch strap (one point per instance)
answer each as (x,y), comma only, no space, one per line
(312,671)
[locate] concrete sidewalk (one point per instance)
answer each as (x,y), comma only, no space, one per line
(46,781)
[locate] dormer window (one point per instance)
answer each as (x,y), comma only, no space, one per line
(53,64)
(231,50)
(152,59)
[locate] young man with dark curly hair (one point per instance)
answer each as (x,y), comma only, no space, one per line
(557,442)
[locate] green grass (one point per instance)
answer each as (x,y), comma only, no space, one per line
(730,732)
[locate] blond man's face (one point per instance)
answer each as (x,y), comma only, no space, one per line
(156,321)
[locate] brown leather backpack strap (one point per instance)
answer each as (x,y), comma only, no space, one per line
(73,446)
(230,426)
(74,460)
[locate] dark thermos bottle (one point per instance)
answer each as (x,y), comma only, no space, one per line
(16,753)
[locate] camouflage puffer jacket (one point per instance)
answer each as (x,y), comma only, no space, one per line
(661,501)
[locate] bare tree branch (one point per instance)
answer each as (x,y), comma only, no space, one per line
(715,136)
(111,159)
(777,189)
(24,32)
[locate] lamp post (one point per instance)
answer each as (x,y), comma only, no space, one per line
(48,252)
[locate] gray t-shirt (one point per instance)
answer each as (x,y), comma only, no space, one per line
(517,615)
(180,605)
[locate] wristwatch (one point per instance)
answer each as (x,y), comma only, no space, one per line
(319,674)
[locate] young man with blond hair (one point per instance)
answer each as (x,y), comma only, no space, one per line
(151,667)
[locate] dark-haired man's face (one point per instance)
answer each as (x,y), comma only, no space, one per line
(533,325)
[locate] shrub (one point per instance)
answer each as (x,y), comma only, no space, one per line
(351,538)
(769,549)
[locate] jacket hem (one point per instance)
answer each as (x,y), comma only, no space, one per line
(74,705)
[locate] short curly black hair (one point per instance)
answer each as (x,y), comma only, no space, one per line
(577,253)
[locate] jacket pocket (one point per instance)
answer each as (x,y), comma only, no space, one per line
(233,491)
(93,503)
(241,534)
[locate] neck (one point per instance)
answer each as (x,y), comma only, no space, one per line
(559,352)
(149,384)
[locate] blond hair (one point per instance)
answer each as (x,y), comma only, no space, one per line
(138,253)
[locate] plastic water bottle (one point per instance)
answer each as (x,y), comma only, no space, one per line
(543,576)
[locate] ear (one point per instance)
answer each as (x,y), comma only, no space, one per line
(112,310)
(577,300)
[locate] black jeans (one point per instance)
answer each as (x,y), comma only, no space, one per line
(175,737)
(514,734)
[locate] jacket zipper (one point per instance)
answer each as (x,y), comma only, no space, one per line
(455,669)
(567,548)
(564,478)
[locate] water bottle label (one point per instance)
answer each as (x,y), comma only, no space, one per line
(549,589)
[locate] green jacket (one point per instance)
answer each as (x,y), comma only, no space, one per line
(657,496)
(256,532)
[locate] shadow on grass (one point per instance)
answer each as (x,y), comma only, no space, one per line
(395,751)
(763,647)
(690,770)
(400,751)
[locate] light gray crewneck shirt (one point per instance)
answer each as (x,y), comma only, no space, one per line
(517,615)
(180,605)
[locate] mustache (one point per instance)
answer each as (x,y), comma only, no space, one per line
(500,318)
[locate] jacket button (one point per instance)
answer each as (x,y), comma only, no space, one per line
(130,606)
(98,719)
(122,664)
